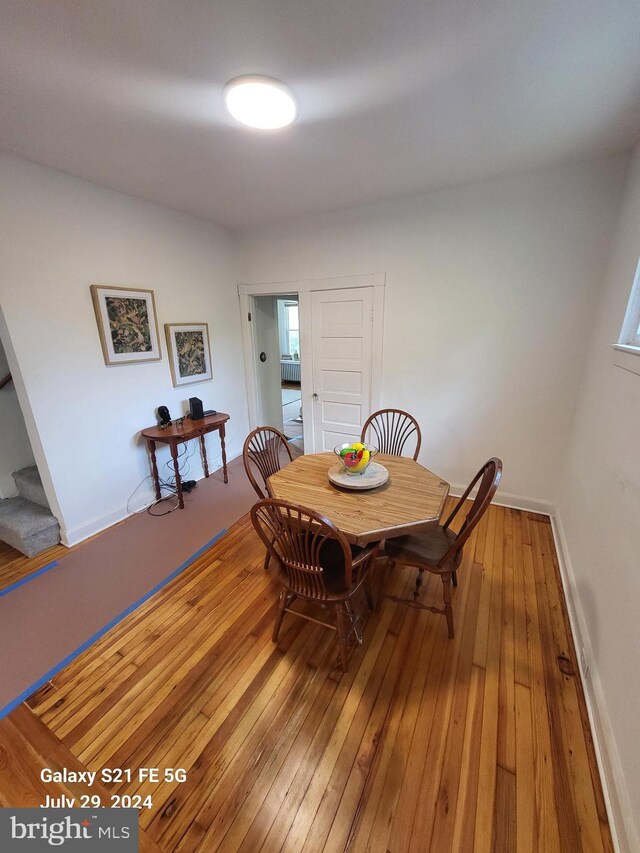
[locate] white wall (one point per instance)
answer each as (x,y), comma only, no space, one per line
(15,450)
(599,510)
(60,235)
(490,294)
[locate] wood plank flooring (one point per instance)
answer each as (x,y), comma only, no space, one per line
(14,566)
(428,744)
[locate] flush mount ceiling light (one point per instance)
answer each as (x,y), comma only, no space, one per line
(260,102)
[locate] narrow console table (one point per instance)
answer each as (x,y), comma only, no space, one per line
(174,435)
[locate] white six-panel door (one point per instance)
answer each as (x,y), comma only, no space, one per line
(342,341)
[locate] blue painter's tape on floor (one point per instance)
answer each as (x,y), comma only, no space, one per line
(74,654)
(28,578)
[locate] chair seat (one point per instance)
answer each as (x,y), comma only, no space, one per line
(426,551)
(315,563)
(332,561)
(427,548)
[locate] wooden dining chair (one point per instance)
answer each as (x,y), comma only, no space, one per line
(316,564)
(389,431)
(262,454)
(439,549)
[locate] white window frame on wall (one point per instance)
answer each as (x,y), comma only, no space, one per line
(628,347)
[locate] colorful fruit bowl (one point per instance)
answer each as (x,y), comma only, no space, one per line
(355,457)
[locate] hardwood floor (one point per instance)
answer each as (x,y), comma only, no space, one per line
(14,566)
(480,743)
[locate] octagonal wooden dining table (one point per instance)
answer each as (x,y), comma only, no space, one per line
(412,498)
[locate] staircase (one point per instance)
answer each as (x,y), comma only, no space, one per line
(26,522)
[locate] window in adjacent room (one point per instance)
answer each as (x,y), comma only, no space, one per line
(289,327)
(293,328)
(630,332)
(627,351)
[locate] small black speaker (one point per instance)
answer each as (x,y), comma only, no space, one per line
(196,412)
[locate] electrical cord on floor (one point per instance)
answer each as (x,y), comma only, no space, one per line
(155,501)
(160,501)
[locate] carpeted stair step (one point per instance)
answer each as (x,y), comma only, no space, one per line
(29,486)
(27,526)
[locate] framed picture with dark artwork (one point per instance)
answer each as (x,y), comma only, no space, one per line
(189,352)
(127,324)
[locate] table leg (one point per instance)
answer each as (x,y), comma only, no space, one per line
(176,468)
(154,466)
(224,454)
(204,456)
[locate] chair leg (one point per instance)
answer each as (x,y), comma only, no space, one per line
(342,636)
(454,578)
(416,591)
(267,557)
(388,567)
(368,595)
(448,609)
(280,616)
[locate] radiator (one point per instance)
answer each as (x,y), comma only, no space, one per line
(290,371)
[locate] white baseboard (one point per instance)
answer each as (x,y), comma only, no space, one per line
(75,535)
(512,501)
(621,819)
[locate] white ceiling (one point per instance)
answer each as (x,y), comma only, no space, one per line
(396,97)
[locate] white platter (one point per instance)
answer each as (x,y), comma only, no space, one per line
(375,475)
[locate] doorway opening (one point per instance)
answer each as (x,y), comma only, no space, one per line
(290,373)
(339,332)
(276,332)
(27,524)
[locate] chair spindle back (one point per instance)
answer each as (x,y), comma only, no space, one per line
(295,536)
(390,430)
(489,477)
(262,449)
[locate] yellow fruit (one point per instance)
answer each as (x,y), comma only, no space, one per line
(362,464)
(357,446)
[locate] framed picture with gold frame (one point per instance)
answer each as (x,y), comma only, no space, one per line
(127,324)
(189,352)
